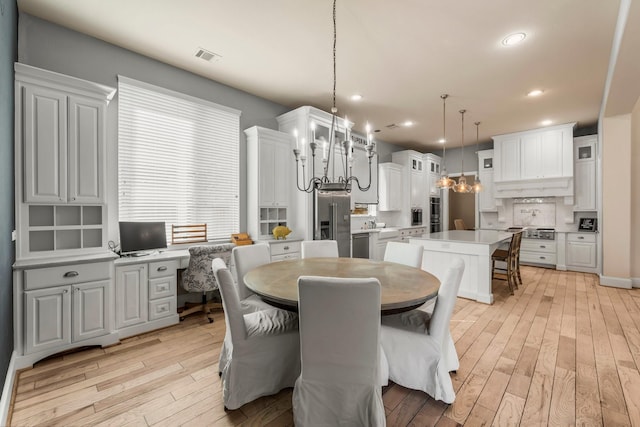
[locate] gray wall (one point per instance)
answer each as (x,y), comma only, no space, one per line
(8,55)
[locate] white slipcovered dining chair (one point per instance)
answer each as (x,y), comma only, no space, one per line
(319,249)
(245,259)
(342,362)
(260,353)
(411,255)
(415,343)
(404,253)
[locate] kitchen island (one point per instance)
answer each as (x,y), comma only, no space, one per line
(474,247)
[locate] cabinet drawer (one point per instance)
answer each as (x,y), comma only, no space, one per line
(295,255)
(163,268)
(284,248)
(581,237)
(534,245)
(538,257)
(162,308)
(47,277)
(162,287)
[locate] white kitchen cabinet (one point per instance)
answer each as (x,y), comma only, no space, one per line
(534,251)
(414,192)
(584,157)
(270,163)
(535,163)
(391,187)
(283,250)
(64,305)
(131,295)
(486,198)
(64,132)
(581,250)
(60,158)
(432,173)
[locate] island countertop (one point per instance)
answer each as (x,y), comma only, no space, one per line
(484,237)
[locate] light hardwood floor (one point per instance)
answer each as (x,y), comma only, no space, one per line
(561,351)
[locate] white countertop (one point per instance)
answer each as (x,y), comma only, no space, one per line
(485,237)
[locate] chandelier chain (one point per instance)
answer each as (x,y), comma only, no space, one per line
(335,37)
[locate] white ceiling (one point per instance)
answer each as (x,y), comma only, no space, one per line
(401,55)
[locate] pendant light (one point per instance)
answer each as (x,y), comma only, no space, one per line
(477,185)
(462,186)
(444,182)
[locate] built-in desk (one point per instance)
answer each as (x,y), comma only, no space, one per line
(146,291)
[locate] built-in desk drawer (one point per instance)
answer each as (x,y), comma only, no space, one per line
(40,278)
(581,237)
(163,268)
(162,286)
(162,308)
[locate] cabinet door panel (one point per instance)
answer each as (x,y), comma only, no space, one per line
(508,154)
(530,146)
(86,150)
(131,295)
(48,319)
(45,142)
(267,173)
(581,254)
(90,310)
(551,154)
(281,165)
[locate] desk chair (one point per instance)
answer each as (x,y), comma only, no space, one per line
(340,382)
(512,258)
(198,277)
(260,353)
(319,249)
(415,344)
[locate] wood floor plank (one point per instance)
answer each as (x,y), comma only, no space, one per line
(562,351)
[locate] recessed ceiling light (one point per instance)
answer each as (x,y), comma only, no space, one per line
(546,122)
(407,123)
(513,39)
(442,140)
(535,92)
(356,97)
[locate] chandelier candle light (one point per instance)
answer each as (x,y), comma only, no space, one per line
(324,183)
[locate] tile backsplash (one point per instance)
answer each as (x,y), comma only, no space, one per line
(534,214)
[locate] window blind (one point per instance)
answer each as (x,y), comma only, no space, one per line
(177,159)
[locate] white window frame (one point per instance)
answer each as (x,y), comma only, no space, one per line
(178,159)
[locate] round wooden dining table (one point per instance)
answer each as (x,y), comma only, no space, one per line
(402,287)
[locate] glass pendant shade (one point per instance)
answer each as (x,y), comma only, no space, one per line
(462,186)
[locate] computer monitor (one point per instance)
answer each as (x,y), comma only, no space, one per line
(142,236)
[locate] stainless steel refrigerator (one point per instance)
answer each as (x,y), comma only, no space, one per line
(333,219)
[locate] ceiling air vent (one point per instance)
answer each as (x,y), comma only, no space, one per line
(392,126)
(207,55)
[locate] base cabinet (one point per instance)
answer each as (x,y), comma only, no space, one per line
(146,294)
(65,305)
(581,250)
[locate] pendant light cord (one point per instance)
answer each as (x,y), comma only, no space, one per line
(462,113)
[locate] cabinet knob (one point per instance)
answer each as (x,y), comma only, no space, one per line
(162,268)
(542,246)
(71,274)
(581,237)
(65,291)
(543,257)
(286,248)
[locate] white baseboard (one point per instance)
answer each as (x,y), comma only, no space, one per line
(7,390)
(616,282)
(635,282)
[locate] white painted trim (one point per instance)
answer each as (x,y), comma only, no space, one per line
(616,282)
(635,282)
(7,390)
